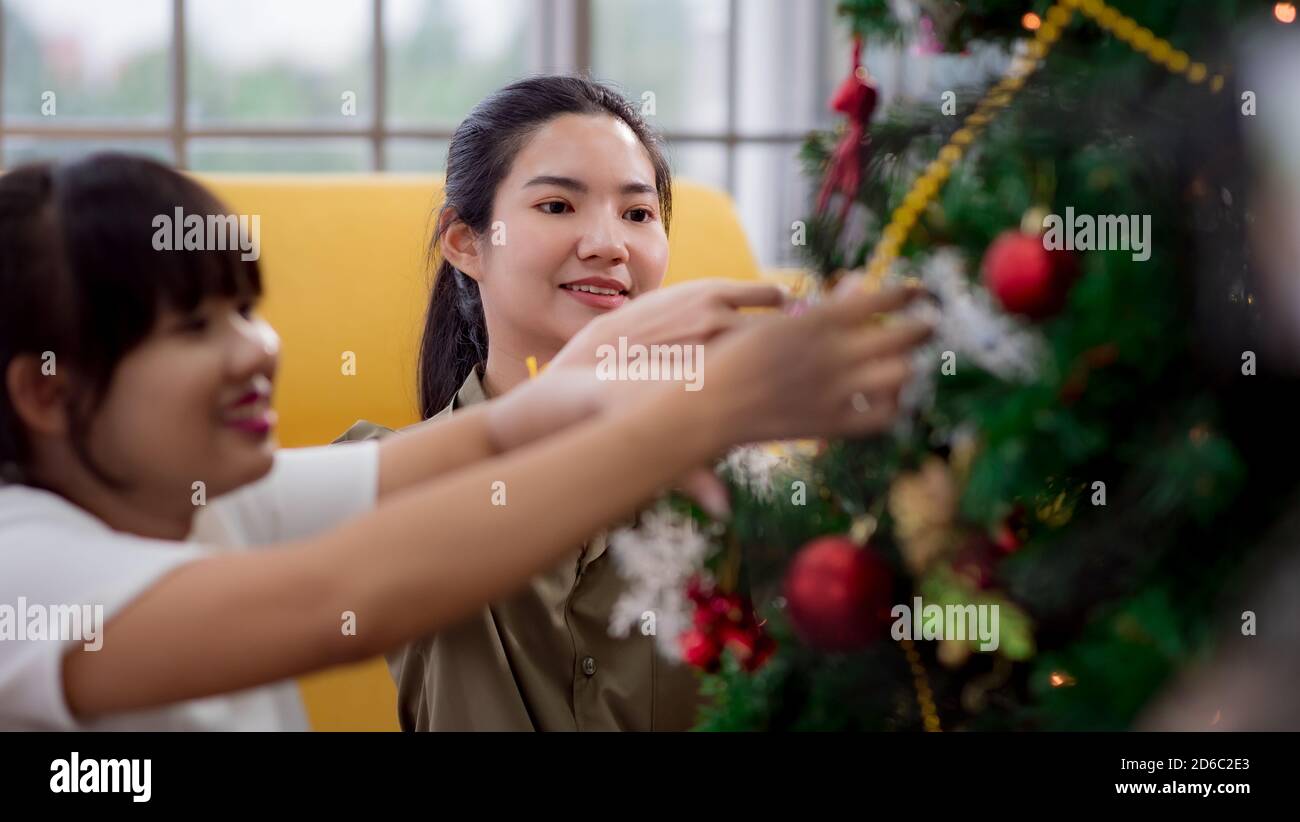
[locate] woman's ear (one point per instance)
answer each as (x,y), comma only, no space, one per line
(460,245)
(38,392)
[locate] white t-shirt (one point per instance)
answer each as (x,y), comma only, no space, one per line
(54,555)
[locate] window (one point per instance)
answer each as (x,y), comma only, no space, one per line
(378,85)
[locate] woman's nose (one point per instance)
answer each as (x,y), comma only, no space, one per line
(602,238)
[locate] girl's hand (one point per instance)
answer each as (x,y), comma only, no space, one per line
(561,397)
(554,400)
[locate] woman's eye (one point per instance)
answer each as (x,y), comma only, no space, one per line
(641,215)
(246,310)
(554,207)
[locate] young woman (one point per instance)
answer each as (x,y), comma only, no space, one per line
(136,451)
(556,212)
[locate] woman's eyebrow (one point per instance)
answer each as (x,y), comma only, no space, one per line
(632,187)
(638,187)
(563,182)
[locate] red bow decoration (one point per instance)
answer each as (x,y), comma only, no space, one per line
(856,99)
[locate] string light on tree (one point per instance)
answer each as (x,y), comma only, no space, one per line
(1061,679)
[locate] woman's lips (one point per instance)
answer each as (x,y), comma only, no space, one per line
(603,301)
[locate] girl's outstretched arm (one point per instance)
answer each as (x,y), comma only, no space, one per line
(424,558)
(434,552)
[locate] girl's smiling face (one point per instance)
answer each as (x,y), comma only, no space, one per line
(576,231)
(192,403)
(160,371)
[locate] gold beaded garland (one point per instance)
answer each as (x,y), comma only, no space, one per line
(925,188)
(924,696)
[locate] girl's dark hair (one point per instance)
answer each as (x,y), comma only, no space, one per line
(482,150)
(80,278)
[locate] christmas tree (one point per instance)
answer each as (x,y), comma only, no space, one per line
(1095,441)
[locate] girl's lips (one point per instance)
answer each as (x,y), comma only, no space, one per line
(602,301)
(259,424)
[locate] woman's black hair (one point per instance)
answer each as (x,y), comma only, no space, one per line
(482,150)
(81,280)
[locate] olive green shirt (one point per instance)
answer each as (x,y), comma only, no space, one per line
(543,659)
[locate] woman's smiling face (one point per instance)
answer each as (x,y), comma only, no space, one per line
(576,231)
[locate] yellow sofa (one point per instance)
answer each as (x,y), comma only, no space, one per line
(343,262)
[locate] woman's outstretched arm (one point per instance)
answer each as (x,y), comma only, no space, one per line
(691,313)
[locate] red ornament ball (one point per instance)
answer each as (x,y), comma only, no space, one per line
(1025,277)
(838,594)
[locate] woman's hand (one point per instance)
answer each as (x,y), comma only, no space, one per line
(687,314)
(569,390)
(813,359)
(833,371)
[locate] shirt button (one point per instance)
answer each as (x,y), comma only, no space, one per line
(589,666)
